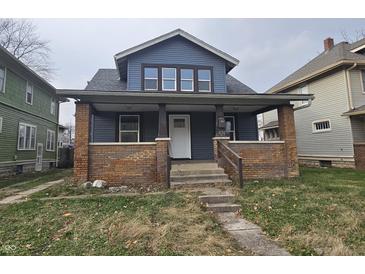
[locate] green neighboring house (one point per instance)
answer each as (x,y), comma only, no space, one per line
(28,118)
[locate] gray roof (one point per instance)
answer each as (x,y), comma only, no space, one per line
(340,52)
(356,111)
(108,80)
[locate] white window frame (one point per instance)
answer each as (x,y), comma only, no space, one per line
(2,89)
(1,124)
(303,103)
(149,78)
(26,92)
(35,136)
(53,106)
(169,79)
(314,130)
(184,79)
(234,126)
(362,72)
(53,140)
(138,130)
(210,81)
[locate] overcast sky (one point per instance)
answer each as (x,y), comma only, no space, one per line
(268,49)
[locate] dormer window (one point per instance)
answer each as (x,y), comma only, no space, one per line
(150,78)
(187,79)
(204,80)
(169,79)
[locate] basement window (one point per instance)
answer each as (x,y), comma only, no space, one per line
(129,128)
(321,126)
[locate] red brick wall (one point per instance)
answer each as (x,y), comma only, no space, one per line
(81,154)
(359,155)
(131,165)
(260,160)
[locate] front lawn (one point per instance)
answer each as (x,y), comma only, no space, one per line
(150,224)
(321,213)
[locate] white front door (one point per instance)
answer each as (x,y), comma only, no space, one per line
(179,131)
(39,159)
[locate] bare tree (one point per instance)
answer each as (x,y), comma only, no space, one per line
(359,34)
(20,38)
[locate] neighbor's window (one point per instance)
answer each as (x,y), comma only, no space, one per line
(272,134)
(204,80)
(51,140)
(1,124)
(129,128)
(303,90)
(29,94)
(363,80)
(321,126)
(53,106)
(187,80)
(150,78)
(2,78)
(169,79)
(26,136)
(230,127)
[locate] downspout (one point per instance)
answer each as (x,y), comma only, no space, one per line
(348,85)
(304,106)
(57,125)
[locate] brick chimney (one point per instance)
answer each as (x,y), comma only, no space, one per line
(328,43)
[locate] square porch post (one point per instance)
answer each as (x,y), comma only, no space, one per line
(82,135)
(287,134)
(162,148)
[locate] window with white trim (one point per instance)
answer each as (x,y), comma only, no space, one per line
(129,128)
(150,78)
(230,127)
(321,126)
(29,94)
(187,80)
(363,80)
(169,79)
(303,90)
(2,79)
(26,136)
(53,106)
(51,140)
(204,80)
(1,124)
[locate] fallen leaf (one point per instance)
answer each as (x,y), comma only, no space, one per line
(67,214)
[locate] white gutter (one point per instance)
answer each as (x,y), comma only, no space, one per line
(304,106)
(348,85)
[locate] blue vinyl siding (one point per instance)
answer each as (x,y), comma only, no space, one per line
(202,132)
(246,127)
(176,51)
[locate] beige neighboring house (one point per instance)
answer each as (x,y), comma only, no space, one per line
(331,129)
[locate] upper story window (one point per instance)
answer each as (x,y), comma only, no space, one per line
(321,126)
(29,94)
(204,80)
(26,136)
(2,78)
(53,106)
(150,78)
(187,80)
(169,79)
(303,90)
(1,124)
(363,80)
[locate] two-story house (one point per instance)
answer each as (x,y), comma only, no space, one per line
(331,129)
(173,97)
(28,118)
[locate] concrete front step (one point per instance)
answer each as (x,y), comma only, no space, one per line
(186,172)
(198,177)
(223,207)
(216,199)
(200,183)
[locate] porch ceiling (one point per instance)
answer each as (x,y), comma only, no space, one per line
(244,102)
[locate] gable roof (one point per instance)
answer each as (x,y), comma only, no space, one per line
(108,80)
(178,32)
(4,53)
(339,55)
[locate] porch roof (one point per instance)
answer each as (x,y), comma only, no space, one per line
(262,102)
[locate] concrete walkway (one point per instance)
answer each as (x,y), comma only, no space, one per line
(22,195)
(248,235)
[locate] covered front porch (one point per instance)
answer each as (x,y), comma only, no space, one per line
(129,138)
